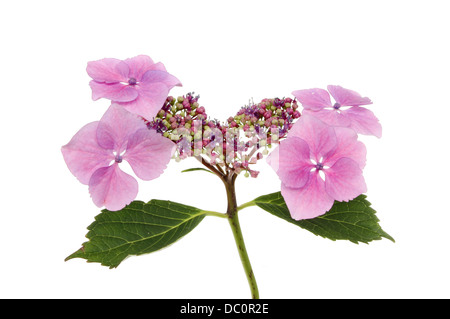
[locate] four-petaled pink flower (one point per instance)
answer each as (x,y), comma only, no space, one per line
(317,102)
(138,84)
(95,152)
(318,164)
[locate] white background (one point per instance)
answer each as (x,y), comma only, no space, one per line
(395,52)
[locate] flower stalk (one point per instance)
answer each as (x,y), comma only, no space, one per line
(228,177)
(233,219)
(237,233)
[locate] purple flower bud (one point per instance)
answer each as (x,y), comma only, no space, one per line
(254,174)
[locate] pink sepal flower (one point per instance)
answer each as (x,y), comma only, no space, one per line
(318,164)
(95,152)
(346,112)
(138,84)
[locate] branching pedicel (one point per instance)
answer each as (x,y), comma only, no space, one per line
(317,157)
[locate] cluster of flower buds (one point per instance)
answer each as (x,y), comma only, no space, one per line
(240,142)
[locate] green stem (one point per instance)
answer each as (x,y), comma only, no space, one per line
(249,204)
(229,178)
(211,213)
(236,228)
(232,213)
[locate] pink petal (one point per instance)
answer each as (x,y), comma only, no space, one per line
(83,155)
(291,161)
(363,121)
(330,116)
(149,153)
(347,146)
(313,99)
(158,66)
(347,97)
(108,70)
(155,76)
(344,180)
(309,201)
(116,126)
(150,100)
(139,65)
(113,91)
(112,188)
(320,137)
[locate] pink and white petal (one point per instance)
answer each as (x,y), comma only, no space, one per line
(313,99)
(309,201)
(113,91)
(139,65)
(148,153)
(347,97)
(344,180)
(108,70)
(292,162)
(155,76)
(83,155)
(116,126)
(150,100)
(159,66)
(319,136)
(112,188)
(363,121)
(347,146)
(330,116)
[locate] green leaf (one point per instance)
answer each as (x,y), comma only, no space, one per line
(137,229)
(196,169)
(354,220)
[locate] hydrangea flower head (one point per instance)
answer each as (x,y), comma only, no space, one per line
(318,164)
(95,152)
(346,111)
(238,144)
(138,84)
